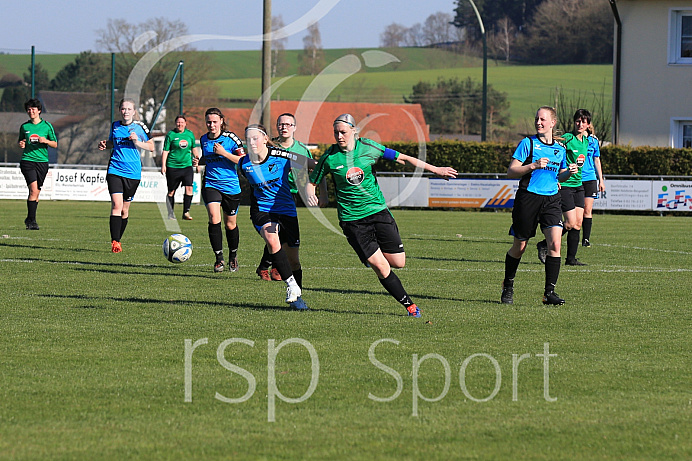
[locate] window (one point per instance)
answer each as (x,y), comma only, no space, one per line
(680,42)
(681,132)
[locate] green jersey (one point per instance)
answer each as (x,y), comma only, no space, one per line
(35,151)
(357,192)
(301,149)
(576,153)
(179,147)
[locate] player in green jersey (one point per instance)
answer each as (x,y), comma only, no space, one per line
(363,214)
(286,128)
(35,137)
(176,164)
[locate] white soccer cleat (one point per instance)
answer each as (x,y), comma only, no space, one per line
(293,292)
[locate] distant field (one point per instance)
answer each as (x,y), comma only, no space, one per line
(93,344)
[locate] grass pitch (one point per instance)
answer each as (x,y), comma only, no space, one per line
(93,349)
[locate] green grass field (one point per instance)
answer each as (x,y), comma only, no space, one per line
(93,344)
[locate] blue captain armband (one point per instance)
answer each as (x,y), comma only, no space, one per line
(390,154)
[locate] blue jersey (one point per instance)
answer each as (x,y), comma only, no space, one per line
(271,188)
(588,172)
(541,181)
(220,173)
(125,160)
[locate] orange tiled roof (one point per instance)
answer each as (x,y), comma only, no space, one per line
(381,122)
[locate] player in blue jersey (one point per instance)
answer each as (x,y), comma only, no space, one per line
(221,191)
(127,136)
(594,182)
(539,163)
(273,209)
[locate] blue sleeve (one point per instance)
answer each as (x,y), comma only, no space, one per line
(596,147)
(523,150)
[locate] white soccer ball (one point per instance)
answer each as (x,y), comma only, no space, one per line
(177,248)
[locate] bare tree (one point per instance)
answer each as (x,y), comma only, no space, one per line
(414,35)
(312,59)
(278,47)
(394,36)
(437,28)
(501,39)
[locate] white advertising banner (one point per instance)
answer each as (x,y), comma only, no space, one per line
(80,185)
(625,195)
(672,196)
(472,193)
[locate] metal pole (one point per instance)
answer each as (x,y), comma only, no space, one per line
(165,98)
(267,66)
(112,86)
(182,80)
(33,72)
(484,118)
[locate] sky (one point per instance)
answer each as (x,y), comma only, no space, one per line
(71,27)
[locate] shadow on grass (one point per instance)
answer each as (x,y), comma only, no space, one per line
(52,248)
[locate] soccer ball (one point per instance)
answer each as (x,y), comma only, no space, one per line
(177,248)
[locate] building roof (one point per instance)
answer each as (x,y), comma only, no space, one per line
(380,122)
(73,103)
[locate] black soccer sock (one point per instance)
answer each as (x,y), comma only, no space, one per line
(115,224)
(187,202)
(123,225)
(572,243)
(393,285)
(31,206)
(280,262)
(232,238)
(298,275)
(564,231)
(552,271)
(170,202)
(216,239)
(586,228)
(511,266)
(266,261)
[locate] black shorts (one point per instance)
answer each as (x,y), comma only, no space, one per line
(229,203)
(34,171)
(571,197)
(590,189)
(531,209)
(289,231)
(177,176)
(377,231)
(120,185)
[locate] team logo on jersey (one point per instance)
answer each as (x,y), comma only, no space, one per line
(272,168)
(33,139)
(183,143)
(580,160)
(355,176)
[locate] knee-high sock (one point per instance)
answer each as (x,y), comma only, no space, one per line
(31,206)
(586,228)
(511,266)
(216,239)
(298,275)
(572,243)
(115,225)
(266,260)
(170,203)
(280,262)
(552,271)
(187,202)
(393,285)
(232,238)
(123,225)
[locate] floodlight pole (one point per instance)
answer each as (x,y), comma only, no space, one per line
(165,98)
(182,80)
(112,86)
(484,119)
(33,72)
(267,66)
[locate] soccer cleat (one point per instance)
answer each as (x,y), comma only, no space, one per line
(413,311)
(171,216)
(574,262)
(186,216)
(507,296)
(552,298)
(542,248)
(116,247)
(233,267)
(299,304)
(27,223)
(33,225)
(293,292)
(219,266)
(263,274)
(275,274)
(585,243)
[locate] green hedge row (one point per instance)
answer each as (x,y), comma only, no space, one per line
(486,157)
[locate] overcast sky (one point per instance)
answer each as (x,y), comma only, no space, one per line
(70,26)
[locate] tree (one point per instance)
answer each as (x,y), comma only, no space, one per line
(312,60)
(131,42)
(437,28)
(87,73)
(279,63)
(518,11)
(501,39)
(569,31)
(14,97)
(455,106)
(394,36)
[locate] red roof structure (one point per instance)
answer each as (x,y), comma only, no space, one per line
(380,122)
